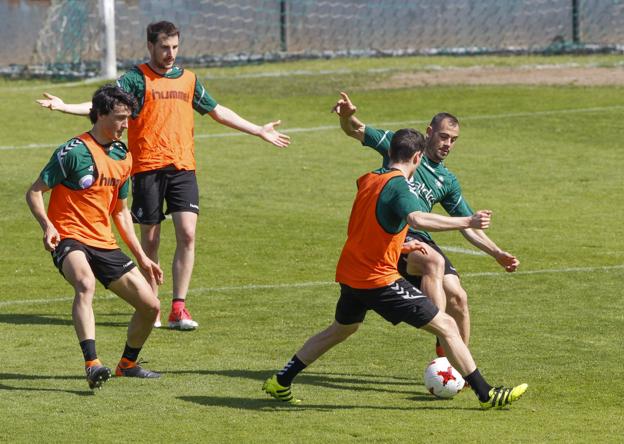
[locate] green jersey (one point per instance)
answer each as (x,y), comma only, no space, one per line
(395,202)
(432,182)
(133,82)
(72,165)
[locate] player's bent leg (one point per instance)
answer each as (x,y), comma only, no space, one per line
(320,343)
(445,328)
(150,242)
(460,357)
(279,386)
(457,305)
(134,289)
(78,273)
(430,267)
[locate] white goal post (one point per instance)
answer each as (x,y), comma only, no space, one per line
(109,53)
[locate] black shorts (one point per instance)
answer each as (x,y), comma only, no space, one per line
(107,265)
(398,302)
(414,278)
(151,189)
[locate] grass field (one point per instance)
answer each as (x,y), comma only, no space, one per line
(546,159)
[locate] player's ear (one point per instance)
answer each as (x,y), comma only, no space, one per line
(417,157)
(429,131)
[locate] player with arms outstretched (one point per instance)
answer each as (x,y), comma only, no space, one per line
(161,140)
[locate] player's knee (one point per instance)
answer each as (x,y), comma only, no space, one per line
(434,265)
(186,237)
(85,287)
(458,300)
(149,307)
(340,332)
(150,245)
(447,326)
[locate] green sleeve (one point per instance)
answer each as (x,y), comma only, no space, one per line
(396,201)
(124,190)
(454,202)
(203,103)
(70,164)
(405,201)
(379,140)
(133,82)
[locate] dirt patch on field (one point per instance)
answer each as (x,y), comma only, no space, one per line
(547,75)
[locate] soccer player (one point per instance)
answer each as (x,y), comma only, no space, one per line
(160,138)
(433,183)
(369,280)
(88,176)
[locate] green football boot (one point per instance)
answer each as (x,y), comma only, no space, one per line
(501,396)
(279,392)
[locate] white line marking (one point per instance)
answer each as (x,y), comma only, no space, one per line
(381,124)
(109,295)
(463,251)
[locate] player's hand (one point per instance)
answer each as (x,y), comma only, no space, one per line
(152,269)
(51,239)
(271,135)
(508,261)
(481,219)
(51,102)
(344,107)
(413,245)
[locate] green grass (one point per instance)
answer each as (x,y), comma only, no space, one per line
(272,226)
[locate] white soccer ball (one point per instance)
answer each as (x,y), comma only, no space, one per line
(442,380)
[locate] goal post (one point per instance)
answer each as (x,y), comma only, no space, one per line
(109,53)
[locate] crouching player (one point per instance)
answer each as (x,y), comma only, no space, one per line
(88,176)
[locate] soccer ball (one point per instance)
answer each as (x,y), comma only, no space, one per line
(442,380)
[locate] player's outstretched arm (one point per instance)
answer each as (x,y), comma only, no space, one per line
(267,132)
(350,124)
(54,103)
(34,198)
(123,222)
(436,222)
(481,240)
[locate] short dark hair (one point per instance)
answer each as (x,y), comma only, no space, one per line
(405,143)
(440,117)
(162,27)
(106,98)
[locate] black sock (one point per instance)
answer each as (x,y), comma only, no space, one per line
(290,370)
(88,350)
(131,354)
(479,385)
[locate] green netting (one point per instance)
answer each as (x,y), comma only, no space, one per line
(70,33)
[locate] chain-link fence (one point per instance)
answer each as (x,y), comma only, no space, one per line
(65,36)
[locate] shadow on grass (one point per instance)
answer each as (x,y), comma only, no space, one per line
(46,319)
(387,384)
(271,405)
(338,381)
(25,377)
